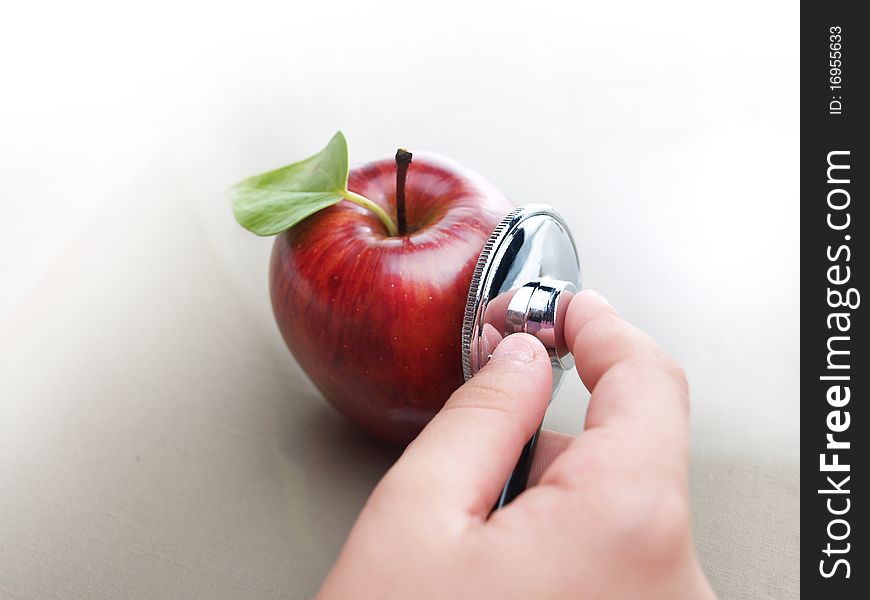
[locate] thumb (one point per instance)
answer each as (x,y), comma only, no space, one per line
(461,460)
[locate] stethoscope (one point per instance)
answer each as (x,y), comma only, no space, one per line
(523,281)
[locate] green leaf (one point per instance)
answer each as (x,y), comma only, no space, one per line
(275,201)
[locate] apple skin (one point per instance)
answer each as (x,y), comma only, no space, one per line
(375,321)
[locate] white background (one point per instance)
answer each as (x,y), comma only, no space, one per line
(666,132)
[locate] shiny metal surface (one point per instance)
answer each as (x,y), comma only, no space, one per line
(538,308)
(523,281)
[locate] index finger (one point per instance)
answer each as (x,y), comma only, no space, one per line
(639,395)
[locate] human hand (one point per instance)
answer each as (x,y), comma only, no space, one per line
(608,516)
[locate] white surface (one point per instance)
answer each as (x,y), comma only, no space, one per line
(134,320)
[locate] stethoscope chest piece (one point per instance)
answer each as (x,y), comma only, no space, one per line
(523,281)
(525,276)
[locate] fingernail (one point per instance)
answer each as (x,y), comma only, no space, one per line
(514,348)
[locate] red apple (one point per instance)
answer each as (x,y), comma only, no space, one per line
(375,321)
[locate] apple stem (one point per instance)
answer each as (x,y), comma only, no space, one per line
(403,160)
(368,204)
